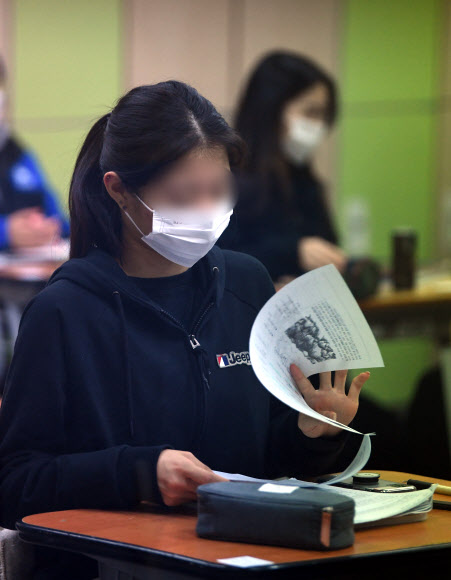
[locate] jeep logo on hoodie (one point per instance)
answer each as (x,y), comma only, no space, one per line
(233,358)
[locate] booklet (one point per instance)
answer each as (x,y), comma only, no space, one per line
(371,508)
(382,509)
(315,323)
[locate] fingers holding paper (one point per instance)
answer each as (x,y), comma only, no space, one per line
(330,400)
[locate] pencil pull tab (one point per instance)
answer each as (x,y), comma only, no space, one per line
(326,524)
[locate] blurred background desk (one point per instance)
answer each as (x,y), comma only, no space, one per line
(421,429)
(22,276)
(424,310)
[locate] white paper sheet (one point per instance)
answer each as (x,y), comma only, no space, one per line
(244,561)
(356,465)
(315,323)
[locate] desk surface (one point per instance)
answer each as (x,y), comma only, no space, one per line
(427,294)
(151,534)
(33,264)
(422,311)
(28,271)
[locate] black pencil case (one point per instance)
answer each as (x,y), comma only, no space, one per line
(256,513)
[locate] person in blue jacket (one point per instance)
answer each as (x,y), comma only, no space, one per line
(30,214)
(137,392)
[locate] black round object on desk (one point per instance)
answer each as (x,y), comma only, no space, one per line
(365,477)
(362,275)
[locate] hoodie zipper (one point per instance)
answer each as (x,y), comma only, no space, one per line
(193,340)
(204,367)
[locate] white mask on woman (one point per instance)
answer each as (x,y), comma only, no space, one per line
(184,236)
(302,138)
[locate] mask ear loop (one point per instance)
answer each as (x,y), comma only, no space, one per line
(133,221)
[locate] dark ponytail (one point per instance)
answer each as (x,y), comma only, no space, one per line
(87,180)
(149,129)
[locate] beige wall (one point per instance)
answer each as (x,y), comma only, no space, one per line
(293,25)
(214,44)
(6,40)
(184,40)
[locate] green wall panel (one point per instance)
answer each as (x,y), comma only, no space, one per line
(387,151)
(390,49)
(68,58)
(390,161)
(388,142)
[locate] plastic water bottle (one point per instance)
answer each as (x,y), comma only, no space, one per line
(357,234)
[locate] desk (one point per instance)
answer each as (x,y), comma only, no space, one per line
(20,281)
(25,271)
(424,310)
(149,543)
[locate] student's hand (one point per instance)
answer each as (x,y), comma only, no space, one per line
(179,474)
(29,227)
(329,400)
(314,252)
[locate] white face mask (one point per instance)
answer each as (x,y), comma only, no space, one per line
(302,138)
(184,236)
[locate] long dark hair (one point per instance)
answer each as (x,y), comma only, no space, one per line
(279,77)
(150,128)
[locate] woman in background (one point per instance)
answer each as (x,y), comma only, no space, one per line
(287,109)
(282,217)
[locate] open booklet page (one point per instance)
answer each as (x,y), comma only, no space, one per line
(315,323)
(359,461)
(372,507)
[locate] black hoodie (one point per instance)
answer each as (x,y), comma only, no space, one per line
(103,379)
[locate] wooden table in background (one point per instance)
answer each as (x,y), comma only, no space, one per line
(154,543)
(20,281)
(422,311)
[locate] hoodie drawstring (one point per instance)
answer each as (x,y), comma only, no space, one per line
(127,370)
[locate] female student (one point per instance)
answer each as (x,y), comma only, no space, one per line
(116,392)
(282,218)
